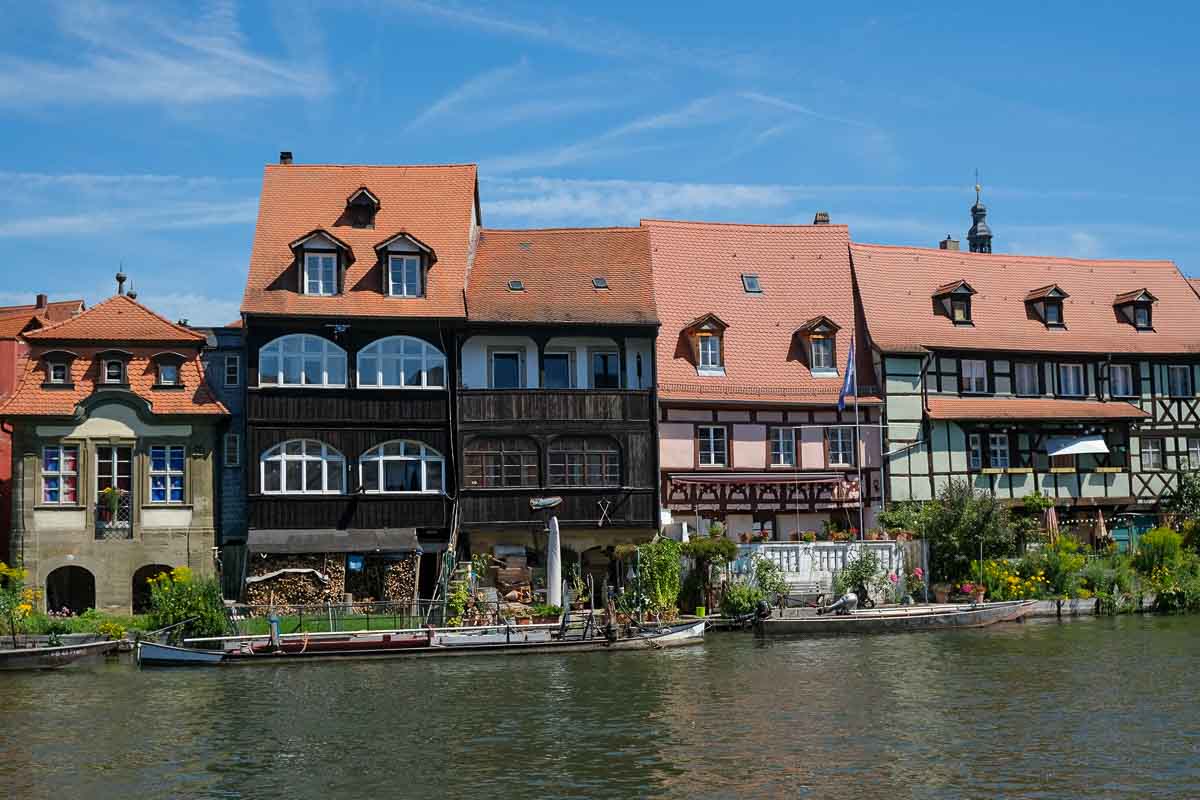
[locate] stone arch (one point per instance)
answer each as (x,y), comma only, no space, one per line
(71,587)
(141,585)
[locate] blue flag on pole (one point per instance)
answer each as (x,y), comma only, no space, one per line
(850,384)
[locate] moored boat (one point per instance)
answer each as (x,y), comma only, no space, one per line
(899,619)
(31,658)
(156,654)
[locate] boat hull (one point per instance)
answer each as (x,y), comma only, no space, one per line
(153,654)
(903,620)
(35,658)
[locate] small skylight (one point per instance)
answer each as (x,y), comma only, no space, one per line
(750,284)
(599,283)
(516,286)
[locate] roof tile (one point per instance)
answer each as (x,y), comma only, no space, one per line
(1030,408)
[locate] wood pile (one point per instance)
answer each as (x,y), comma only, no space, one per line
(296,589)
(400,581)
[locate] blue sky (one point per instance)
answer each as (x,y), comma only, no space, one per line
(136,135)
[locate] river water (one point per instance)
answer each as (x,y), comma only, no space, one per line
(1094,708)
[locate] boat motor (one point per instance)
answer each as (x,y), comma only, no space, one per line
(845,605)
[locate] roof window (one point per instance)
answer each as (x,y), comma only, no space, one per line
(751,285)
(516,285)
(599,283)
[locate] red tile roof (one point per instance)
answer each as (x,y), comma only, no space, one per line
(435,204)
(557,268)
(1023,408)
(54,312)
(118,319)
(804,271)
(897,283)
(14,325)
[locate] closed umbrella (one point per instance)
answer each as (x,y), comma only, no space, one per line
(1051,524)
(1101,529)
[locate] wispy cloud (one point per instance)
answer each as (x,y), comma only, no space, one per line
(141,55)
(175,216)
(477,87)
(797,108)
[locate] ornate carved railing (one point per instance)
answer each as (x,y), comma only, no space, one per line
(114,515)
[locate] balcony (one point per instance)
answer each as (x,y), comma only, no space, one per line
(554,405)
(114,516)
(601,507)
(341,406)
(363,511)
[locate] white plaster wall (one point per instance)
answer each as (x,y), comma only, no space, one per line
(475,358)
(676,449)
(112,420)
(166,517)
(475,355)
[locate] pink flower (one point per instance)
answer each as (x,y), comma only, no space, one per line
(893,577)
(919,573)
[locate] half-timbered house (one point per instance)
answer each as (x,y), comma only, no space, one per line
(757,323)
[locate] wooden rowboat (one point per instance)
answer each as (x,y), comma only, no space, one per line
(901,619)
(155,654)
(52,657)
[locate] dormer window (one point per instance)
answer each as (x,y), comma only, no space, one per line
(168,370)
(404,276)
(320,273)
(322,258)
(114,371)
(168,374)
(818,339)
(406,261)
(1136,308)
(58,368)
(953,301)
(57,373)
(361,208)
(1046,304)
(706,335)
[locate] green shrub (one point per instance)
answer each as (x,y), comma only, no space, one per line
(1176,585)
(768,576)
(954,524)
(1060,564)
(177,596)
(862,570)
(740,598)
(708,552)
(1158,548)
(903,516)
(660,573)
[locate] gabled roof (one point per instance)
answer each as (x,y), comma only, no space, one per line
(805,272)
(898,313)
(816,323)
(556,267)
(709,320)
(959,286)
(1049,290)
(117,319)
(14,325)
(1136,296)
(52,312)
(363,193)
(436,204)
(300,242)
(408,237)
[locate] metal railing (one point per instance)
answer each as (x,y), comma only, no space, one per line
(114,520)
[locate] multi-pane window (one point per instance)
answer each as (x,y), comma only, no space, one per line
(1179,381)
(166,473)
(497,464)
(233,370)
(557,372)
(710,351)
(1070,380)
(591,461)
(998,450)
(783,447)
(114,371)
(712,445)
(58,372)
(401,362)
(233,450)
(960,309)
(822,353)
(1053,313)
(1120,380)
(1193,446)
(301,359)
(320,273)
(841,445)
(168,374)
(60,474)
(1025,376)
(974,376)
(1152,453)
(302,466)
(606,370)
(401,466)
(1141,316)
(507,369)
(975,451)
(404,276)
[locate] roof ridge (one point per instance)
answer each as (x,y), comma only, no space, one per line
(1158,262)
(103,303)
(602,229)
(378,166)
(779,225)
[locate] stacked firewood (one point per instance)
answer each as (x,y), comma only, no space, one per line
(400,581)
(293,588)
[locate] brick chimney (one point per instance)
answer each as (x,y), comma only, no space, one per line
(948,243)
(821,218)
(285,156)
(42,301)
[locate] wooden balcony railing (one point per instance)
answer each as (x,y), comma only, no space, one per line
(554,405)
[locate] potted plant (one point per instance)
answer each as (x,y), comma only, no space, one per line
(975,591)
(543,613)
(745,537)
(941,592)
(810,536)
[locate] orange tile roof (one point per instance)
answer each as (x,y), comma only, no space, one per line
(54,312)
(804,271)
(1021,408)
(435,204)
(557,267)
(896,285)
(31,399)
(120,318)
(14,325)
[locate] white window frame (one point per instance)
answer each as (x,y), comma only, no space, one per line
(329,354)
(120,368)
(311,453)
(1063,371)
(705,435)
(969,377)
(233,364)
(397,266)
(58,365)
(1033,371)
(1186,371)
(410,349)
(377,459)
(1193,449)
(168,474)
(326,286)
(974,451)
(1115,369)
(710,355)
(60,474)
(825,362)
(162,378)
(232,450)
(840,444)
(1156,453)
(782,438)
(998,451)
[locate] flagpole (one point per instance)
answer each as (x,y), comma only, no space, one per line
(858,448)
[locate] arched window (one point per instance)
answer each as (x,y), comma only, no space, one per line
(491,462)
(301,359)
(585,461)
(401,362)
(401,466)
(303,466)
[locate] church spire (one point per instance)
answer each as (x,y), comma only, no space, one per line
(979,238)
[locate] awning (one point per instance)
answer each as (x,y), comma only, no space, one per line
(1075,445)
(386,540)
